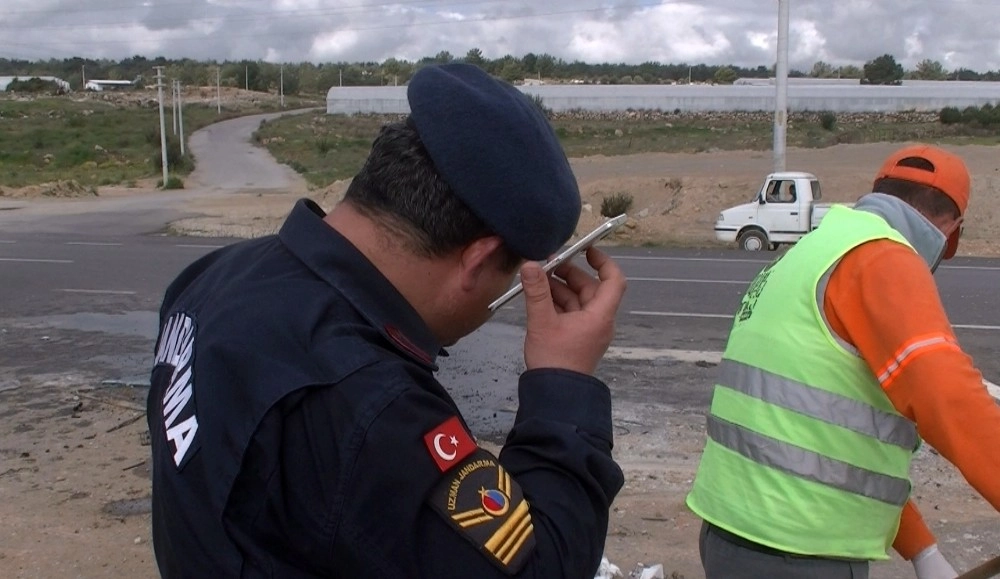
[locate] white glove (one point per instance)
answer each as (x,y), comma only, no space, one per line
(931,564)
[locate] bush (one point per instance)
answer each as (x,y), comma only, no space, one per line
(175,161)
(950,116)
(988,115)
(173,182)
(323,146)
(616,204)
(828,120)
(540,103)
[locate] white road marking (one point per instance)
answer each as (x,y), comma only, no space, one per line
(7,241)
(680,314)
(192,246)
(688,280)
(725,260)
(649,354)
(626,353)
(730,316)
(711,259)
(27,260)
(89,291)
(98,243)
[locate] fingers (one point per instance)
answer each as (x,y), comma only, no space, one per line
(613,284)
(537,293)
(610,281)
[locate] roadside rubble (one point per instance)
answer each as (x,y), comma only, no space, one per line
(608,570)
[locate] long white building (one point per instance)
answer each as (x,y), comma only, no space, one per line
(835,95)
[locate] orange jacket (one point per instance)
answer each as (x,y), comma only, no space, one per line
(882,299)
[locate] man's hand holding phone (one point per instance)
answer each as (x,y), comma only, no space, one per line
(571,316)
(600,232)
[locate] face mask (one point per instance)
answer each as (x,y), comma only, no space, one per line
(934,263)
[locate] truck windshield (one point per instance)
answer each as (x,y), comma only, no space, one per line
(817,194)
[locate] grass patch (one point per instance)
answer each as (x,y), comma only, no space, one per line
(322,148)
(59,138)
(326,148)
(50,139)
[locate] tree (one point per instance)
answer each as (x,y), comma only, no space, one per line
(510,69)
(929,70)
(822,70)
(724,75)
(530,63)
(546,65)
(475,56)
(883,70)
(849,71)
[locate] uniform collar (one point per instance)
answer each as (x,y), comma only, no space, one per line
(334,259)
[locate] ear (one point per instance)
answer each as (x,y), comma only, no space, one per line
(476,259)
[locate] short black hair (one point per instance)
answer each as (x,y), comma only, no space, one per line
(930,201)
(399,188)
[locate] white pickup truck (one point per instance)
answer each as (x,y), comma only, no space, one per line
(783,210)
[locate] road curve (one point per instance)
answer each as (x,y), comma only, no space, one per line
(226,158)
(227,163)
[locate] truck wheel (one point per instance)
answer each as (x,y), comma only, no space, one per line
(752,240)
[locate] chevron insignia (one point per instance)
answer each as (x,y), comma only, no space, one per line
(485,505)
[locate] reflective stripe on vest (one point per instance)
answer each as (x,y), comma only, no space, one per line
(820,404)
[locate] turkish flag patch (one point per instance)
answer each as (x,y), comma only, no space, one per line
(449,443)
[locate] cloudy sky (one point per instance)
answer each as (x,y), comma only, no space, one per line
(957,33)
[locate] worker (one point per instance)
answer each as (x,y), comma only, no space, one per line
(840,360)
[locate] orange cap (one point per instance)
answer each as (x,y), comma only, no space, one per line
(948,175)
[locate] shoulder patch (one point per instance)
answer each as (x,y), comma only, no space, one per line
(485,505)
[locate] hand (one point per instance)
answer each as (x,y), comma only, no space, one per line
(571,317)
(931,564)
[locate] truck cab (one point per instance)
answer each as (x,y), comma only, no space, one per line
(783,210)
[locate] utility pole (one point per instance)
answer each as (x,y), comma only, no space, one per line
(281,84)
(180,114)
(246,77)
(173,104)
(83,75)
(781,84)
(218,90)
(163,128)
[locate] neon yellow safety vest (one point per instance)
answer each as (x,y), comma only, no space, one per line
(805,453)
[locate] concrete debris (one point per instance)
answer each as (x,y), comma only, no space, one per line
(607,570)
(643,572)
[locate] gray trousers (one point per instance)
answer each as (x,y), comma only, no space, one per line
(725,559)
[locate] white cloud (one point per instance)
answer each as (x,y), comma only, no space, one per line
(958,33)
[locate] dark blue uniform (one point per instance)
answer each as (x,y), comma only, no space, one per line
(298,431)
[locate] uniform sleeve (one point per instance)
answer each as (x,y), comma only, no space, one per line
(899,327)
(411,503)
(560,452)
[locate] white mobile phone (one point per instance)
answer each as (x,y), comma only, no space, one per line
(602,231)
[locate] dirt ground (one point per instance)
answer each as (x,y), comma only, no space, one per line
(74,480)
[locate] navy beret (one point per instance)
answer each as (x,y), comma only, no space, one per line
(499,154)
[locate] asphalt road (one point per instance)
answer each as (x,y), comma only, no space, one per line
(676,313)
(81,282)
